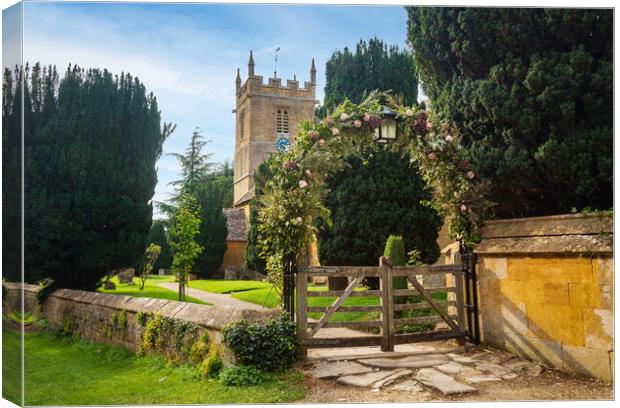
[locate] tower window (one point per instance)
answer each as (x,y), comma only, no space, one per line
(242,124)
(282,122)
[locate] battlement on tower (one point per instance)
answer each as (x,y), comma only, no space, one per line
(273,87)
(265,113)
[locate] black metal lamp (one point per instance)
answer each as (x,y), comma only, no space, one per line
(387,132)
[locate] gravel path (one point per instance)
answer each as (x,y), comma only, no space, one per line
(217,299)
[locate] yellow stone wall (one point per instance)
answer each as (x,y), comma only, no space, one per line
(552,307)
(233,256)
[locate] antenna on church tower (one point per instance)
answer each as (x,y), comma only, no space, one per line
(275,65)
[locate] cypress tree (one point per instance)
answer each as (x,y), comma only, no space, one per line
(362,226)
(532,93)
(372,66)
(91,144)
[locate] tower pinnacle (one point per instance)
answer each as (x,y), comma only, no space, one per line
(251,65)
(238,80)
(313,73)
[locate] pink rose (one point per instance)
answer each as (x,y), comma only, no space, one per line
(429,125)
(303,184)
(344,116)
(329,120)
(357,123)
(432,156)
(471,175)
(463,208)
(464,164)
(335,131)
(366,117)
(449,139)
(322,142)
(313,135)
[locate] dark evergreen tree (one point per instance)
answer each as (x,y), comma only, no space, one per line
(372,66)
(371,200)
(213,230)
(195,167)
(91,144)
(532,92)
(11,174)
(159,236)
(211,188)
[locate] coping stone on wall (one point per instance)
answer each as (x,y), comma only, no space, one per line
(212,317)
(571,233)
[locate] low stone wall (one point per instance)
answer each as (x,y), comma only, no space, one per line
(546,290)
(92,314)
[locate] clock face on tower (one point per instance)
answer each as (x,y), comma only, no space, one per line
(283,144)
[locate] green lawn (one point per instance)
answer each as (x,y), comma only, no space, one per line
(268,298)
(59,372)
(227,286)
(11,366)
(151,289)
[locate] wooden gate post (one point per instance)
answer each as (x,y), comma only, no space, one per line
(302,309)
(387,305)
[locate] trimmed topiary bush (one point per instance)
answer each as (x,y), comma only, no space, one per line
(270,346)
(395,250)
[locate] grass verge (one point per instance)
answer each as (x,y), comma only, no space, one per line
(227,286)
(151,289)
(62,372)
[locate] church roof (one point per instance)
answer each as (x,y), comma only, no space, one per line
(245,198)
(235,222)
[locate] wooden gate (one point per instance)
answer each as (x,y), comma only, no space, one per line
(421,304)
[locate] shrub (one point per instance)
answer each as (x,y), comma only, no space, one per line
(200,349)
(270,346)
(395,250)
(243,375)
(212,365)
(119,320)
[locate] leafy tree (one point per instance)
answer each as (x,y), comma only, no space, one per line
(252,258)
(361,226)
(159,237)
(373,65)
(531,91)
(91,143)
(150,257)
(211,188)
(183,239)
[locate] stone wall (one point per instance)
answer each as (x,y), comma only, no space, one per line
(91,314)
(234,255)
(546,290)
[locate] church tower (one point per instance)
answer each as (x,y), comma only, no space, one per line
(266,114)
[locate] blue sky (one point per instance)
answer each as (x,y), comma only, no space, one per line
(187,54)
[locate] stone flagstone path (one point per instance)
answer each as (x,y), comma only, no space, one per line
(437,370)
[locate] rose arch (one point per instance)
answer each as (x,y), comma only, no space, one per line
(293,196)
